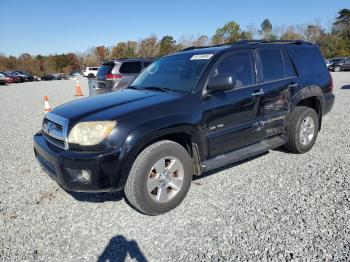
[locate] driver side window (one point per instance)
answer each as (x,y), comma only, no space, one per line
(239,65)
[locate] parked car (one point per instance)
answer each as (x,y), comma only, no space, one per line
(188,113)
(28,76)
(116,74)
(2,79)
(48,78)
(339,64)
(22,78)
(90,72)
(10,78)
(36,78)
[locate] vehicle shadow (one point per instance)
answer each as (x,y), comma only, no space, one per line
(119,247)
(345,87)
(217,170)
(97,197)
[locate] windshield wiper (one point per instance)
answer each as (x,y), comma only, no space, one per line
(158,88)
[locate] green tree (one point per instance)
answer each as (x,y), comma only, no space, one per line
(266,30)
(246,35)
(229,33)
(342,22)
(167,45)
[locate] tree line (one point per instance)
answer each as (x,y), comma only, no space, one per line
(333,43)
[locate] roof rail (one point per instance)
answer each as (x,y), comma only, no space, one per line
(251,42)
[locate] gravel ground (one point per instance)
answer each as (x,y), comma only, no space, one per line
(277,206)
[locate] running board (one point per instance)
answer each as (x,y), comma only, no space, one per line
(243,153)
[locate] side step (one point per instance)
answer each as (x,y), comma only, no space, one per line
(243,153)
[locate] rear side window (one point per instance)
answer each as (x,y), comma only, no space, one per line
(272,64)
(105,69)
(311,59)
(239,65)
(289,68)
(130,68)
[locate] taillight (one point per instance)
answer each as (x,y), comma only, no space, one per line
(331,84)
(113,76)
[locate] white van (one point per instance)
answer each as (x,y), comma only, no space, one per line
(90,72)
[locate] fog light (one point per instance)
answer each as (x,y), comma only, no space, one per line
(86,175)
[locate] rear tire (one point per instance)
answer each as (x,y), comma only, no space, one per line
(302,130)
(91,75)
(160,178)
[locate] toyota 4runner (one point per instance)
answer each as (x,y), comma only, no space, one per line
(185,114)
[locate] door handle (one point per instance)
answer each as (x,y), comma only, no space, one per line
(258,93)
(292,85)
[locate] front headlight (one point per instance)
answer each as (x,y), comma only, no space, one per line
(90,133)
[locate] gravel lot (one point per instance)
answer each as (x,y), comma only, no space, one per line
(276,206)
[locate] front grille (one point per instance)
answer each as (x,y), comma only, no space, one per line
(55,130)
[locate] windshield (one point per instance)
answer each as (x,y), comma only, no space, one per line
(178,73)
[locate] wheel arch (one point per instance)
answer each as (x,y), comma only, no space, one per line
(312,97)
(185,134)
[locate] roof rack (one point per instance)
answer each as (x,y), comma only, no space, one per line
(251,42)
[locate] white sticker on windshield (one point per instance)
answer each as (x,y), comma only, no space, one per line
(201,57)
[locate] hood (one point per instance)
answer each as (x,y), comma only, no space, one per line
(112,105)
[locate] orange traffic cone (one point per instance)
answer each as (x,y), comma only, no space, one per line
(78,89)
(47,105)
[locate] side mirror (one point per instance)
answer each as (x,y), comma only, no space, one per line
(221,83)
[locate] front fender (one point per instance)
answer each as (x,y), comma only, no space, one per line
(149,131)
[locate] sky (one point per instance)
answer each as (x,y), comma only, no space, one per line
(61,26)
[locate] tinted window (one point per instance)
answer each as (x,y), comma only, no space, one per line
(288,65)
(312,60)
(272,64)
(239,65)
(130,68)
(105,69)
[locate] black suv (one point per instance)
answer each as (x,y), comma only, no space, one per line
(188,113)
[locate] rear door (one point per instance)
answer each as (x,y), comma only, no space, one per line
(128,71)
(278,81)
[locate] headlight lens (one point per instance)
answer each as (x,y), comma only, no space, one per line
(90,133)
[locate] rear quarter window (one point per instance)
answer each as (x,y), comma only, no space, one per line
(311,60)
(272,64)
(105,69)
(130,68)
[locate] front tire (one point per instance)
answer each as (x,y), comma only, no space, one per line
(160,178)
(337,69)
(302,129)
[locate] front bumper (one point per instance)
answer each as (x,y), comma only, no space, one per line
(65,167)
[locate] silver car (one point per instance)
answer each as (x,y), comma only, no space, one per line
(116,74)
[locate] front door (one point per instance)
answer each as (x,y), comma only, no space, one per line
(233,117)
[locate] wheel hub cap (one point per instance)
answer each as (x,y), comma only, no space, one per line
(307,130)
(165,179)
